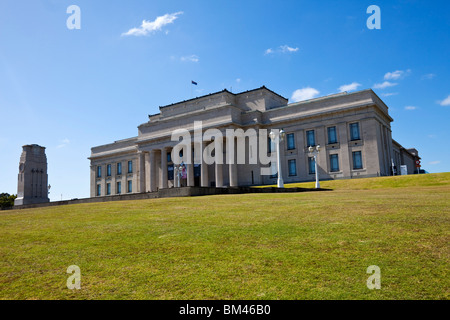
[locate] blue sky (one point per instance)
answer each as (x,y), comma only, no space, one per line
(70,90)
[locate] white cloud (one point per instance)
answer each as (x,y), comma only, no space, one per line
(191,58)
(434,162)
(64,143)
(304,94)
(389,94)
(445,102)
(410,108)
(393,75)
(384,85)
(152,26)
(398,74)
(349,87)
(238,80)
(281,49)
(428,76)
(286,48)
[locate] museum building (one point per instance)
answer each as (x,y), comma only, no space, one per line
(352,129)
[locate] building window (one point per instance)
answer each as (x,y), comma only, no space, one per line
(108,189)
(130,186)
(119,168)
(99,171)
(119,187)
(169,156)
(357,160)
(354,131)
(292,167)
(108,170)
(99,190)
(332,137)
(290,141)
(334,162)
(310,138)
(269,145)
(130,166)
(197,170)
(311,165)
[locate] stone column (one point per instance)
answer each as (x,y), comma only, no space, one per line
(103,181)
(158,168)
(344,151)
(141,172)
(114,183)
(164,183)
(390,150)
(219,175)
(190,175)
(233,175)
(387,163)
(381,150)
(204,169)
(323,155)
(93,181)
(232,167)
(152,171)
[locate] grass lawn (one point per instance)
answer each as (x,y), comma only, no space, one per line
(312,245)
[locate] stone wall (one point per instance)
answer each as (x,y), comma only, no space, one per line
(169,193)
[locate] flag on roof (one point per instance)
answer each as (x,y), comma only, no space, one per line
(193,82)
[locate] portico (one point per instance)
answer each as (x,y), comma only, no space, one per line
(154,165)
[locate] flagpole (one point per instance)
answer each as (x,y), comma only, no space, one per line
(192,83)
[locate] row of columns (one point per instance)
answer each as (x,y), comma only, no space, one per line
(148,172)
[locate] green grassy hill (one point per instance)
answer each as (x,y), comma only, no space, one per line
(312,245)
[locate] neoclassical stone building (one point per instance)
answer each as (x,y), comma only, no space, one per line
(353,130)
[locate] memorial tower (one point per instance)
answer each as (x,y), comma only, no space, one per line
(32,185)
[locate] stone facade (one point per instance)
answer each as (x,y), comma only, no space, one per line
(353,130)
(32,185)
(404,156)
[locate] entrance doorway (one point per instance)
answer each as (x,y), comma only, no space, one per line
(197,174)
